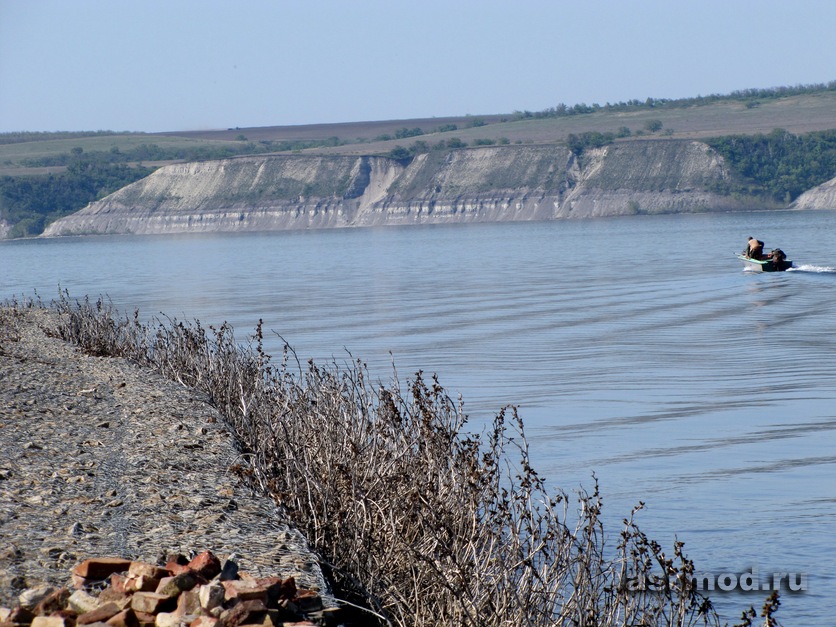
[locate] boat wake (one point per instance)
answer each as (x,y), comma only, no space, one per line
(812,268)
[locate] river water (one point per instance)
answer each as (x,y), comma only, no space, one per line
(636,348)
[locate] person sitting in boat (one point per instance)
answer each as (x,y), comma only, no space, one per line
(754,249)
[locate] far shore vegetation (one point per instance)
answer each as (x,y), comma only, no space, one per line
(45,176)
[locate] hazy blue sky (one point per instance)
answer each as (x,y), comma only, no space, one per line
(156,65)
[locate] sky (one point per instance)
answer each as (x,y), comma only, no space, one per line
(171,65)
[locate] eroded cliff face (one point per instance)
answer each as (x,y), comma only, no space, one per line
(489,184)
(821,197)
(647,177)
(247,194)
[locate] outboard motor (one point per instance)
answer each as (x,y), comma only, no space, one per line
(778,258)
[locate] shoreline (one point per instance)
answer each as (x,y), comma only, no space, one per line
(142,468)
(103,457)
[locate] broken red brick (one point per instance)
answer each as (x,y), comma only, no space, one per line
(101,568)
(206,565)
(117,582)
(144,569)
(137,583)
(245,612)
(244,590)
(145,619)
(173,586)
(176,600)
(79,583)
(188,603)
(152,603)
(99,615)
(109,595)
(53,602)
(49,621)
(211,596)
(176,564)
(125,618)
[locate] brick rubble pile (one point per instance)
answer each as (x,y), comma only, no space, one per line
(203,592)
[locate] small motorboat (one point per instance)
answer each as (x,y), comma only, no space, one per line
(776,261)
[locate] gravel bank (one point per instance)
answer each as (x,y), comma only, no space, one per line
(100,457)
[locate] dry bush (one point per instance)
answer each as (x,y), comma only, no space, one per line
(424,521)
(9,319)
(12,312)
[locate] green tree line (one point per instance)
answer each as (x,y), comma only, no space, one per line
(155,152)
(30,203)
(751,97)
(21,137)
(778,164)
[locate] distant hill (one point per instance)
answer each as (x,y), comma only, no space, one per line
(35,167)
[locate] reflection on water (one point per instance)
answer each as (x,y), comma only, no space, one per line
(704,390)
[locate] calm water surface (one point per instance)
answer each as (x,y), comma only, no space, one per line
(703,390)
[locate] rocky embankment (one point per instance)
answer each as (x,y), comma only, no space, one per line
(485,184)
(101,457)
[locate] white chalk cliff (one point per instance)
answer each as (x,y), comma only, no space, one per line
(820,197)
(496,183)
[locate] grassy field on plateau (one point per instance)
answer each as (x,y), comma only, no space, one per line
(796,114)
